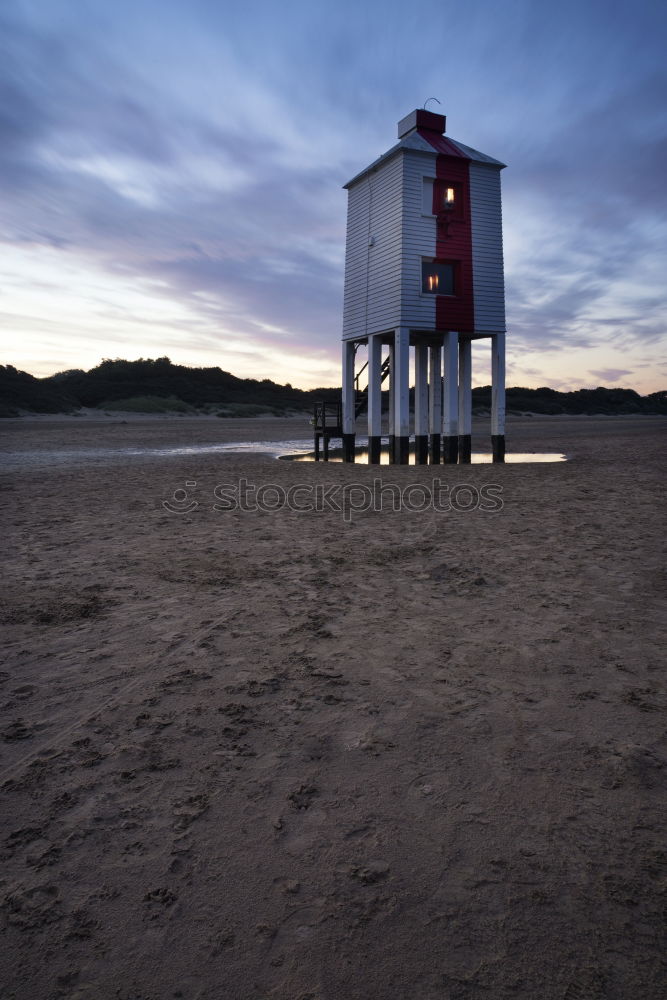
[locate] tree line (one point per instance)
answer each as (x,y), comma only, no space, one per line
(157,385)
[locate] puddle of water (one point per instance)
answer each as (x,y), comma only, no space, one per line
(71,456)
(478,458)
(295,450)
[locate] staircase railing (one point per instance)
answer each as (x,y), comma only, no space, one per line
(362,394)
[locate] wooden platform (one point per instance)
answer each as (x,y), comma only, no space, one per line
(327,424)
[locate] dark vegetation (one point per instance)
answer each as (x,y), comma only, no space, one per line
(579,401)
(158,386)
(151,386)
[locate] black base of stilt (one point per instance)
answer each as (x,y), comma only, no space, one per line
(348,447)
(421,449)
(374,450)
(402,449)
(450,450)
(435,449)
(498,447)
(465,449)
(392,449)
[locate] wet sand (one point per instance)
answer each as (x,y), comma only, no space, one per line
(310,755)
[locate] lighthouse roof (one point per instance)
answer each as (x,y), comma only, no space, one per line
(422,137)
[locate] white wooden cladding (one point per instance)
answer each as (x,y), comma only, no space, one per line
(389,231)
(373,255)
(487,249)
(419,237)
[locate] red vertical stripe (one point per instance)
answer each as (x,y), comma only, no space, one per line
(454,234)
(454,243)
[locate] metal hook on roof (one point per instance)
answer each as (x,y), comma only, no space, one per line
(430,99)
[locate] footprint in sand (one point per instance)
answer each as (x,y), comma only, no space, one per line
(365,834)
(189,809)
(25,691)
(367,873)
(433,787)
(17,730)
(587,985)
(639,764)
(302,796)
(30,909)
(305,826)
(301,924)
(287,885)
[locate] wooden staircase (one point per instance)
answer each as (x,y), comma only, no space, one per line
(362,394)
(328,417)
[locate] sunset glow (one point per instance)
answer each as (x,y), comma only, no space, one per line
(173,174)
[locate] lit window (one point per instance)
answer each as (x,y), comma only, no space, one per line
(438,277)
(441,195)
(449,198)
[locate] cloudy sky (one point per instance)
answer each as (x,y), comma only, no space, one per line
(172,172)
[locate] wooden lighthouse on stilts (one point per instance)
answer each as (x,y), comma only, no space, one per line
(423,275)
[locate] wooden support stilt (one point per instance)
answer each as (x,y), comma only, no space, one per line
(421,404)
(374,399)
(349,404)
(465,401)
(435,401)
(498,397)
(392,406)
(402,395)
(450,400)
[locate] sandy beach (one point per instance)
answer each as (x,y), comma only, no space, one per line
(314,754)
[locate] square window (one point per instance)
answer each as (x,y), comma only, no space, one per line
(427,195)
(438,277)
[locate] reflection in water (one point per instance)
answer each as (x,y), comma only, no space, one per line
(478,458)
(295,450)
(76,456)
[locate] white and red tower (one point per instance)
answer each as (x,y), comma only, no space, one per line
(424,272)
